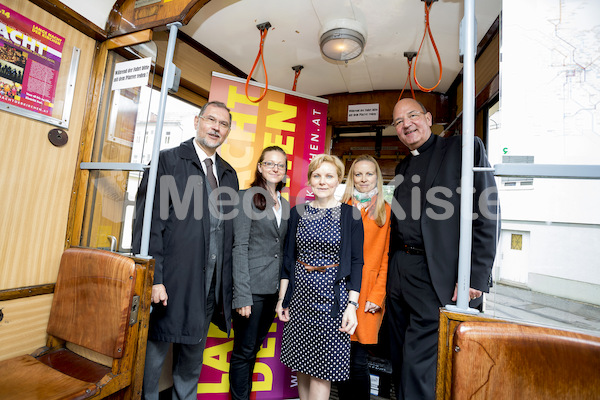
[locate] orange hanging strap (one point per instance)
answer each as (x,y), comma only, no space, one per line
(264,28)
(437,53)
(409,57)
(296,68)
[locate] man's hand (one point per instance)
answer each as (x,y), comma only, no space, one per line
(473,293)
(159,294)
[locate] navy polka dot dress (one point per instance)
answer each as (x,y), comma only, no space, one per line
(312,342)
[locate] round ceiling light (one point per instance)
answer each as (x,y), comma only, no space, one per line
(342,39)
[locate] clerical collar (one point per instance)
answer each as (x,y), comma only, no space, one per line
(423,147)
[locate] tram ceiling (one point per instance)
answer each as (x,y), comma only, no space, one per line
(228,28)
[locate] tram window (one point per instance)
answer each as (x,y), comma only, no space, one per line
(516,183)
(547,269)
(111,194)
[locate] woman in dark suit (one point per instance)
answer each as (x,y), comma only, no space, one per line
(259,232)
(320,283)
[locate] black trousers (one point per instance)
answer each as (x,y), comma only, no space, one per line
(249,334)
(187,362)
(358,387)
(413,310)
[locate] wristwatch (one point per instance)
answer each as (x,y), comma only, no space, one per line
(355,304)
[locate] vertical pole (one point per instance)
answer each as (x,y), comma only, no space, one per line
(164,89)
(466,182)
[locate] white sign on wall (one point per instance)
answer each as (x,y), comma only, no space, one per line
(363,112)
(132,73)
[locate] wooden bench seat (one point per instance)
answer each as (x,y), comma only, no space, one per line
(496,360)
(96,296)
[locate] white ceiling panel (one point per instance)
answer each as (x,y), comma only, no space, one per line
(228,28)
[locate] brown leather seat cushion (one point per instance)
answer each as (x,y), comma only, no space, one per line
(24,378)
(511,361)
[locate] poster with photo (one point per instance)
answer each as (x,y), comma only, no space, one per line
(30,57)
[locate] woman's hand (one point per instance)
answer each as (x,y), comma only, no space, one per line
(244,311)
(349,320)
(282,313)
(371,307)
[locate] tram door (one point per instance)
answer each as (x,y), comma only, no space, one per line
(514,256)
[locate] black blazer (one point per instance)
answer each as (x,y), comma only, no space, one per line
(179,246)
(351,253)
(441,235)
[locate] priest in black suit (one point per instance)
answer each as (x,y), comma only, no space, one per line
(423,267)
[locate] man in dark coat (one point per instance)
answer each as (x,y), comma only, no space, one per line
(423,267)
(191,240)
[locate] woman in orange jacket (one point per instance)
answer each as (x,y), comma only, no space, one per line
(364,191)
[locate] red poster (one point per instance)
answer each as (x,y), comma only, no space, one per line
(30,58)
(296,123)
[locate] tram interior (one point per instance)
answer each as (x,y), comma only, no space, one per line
(548,243)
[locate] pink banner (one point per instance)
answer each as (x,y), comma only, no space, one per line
(271,380)
(30,58)
(295,122)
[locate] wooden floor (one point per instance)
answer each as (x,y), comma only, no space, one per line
(514,303)
(166,395)
(334,395)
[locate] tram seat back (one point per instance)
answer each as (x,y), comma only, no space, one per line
(495,360)
(92,300)
(94,343)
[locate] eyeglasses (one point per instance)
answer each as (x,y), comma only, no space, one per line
(413,115)
(271,165)
(212,120)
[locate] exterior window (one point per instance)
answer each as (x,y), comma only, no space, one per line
(516,242)
(513,182)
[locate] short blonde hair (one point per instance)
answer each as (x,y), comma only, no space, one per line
(317,161)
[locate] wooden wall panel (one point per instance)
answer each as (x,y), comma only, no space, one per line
(37,177)
(488,64)
(182,93)
(196,68)
(487,67)
(23,327)
(337,111)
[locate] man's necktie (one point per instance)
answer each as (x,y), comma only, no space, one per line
(212,181)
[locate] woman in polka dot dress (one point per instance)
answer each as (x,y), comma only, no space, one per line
(320,283)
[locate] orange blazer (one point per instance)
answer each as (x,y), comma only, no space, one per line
(374,276)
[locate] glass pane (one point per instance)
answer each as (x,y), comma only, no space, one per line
(178,125)
(125,133)
(109,209)
(119,113)
(547,268)
(548,103)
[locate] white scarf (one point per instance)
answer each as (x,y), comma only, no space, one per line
(363,200)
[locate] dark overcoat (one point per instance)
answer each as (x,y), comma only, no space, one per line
(440,217)
(178,243)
